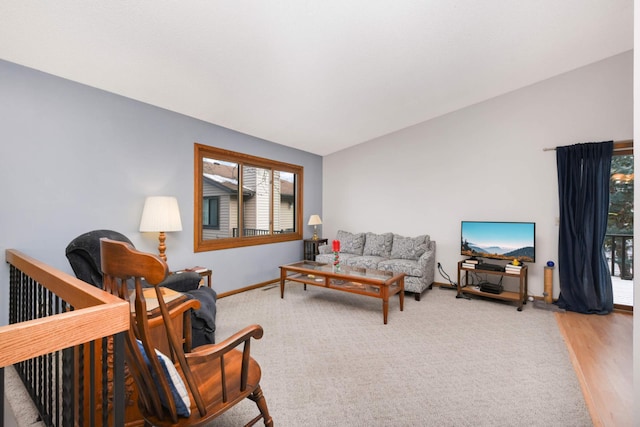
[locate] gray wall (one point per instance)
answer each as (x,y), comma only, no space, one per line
(485,162)
(75,159)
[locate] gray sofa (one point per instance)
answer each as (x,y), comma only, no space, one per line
(414,256)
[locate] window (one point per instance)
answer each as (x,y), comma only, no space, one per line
(242,200)
(619,241)
(211,212)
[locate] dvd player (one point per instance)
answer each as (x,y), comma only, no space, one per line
(489,267)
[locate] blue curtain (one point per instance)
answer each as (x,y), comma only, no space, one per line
(583,185)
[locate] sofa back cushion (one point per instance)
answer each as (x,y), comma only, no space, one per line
(378,244)
(351,243)
(409,247)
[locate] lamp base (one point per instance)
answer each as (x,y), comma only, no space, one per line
(162,247)
(315,232)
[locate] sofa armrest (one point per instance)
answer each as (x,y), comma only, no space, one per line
(325,249)
(428,262)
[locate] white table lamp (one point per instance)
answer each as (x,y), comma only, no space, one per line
(315,221)
(161,214)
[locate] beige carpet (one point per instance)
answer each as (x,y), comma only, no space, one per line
(19,409)
(328,360)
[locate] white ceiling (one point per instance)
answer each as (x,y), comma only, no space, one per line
(318,75)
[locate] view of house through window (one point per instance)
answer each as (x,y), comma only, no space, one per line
(244,200)
(619,238)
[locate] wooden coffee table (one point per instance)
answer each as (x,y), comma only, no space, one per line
(361,281)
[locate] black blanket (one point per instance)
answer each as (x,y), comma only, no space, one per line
(203,320)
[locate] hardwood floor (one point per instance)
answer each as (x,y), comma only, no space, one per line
(601,350)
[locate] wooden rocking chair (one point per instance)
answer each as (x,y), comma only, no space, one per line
(179,389)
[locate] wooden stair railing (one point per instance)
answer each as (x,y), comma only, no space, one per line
(93,315)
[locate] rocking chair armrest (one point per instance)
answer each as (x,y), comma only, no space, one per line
(208,352)
(174,311)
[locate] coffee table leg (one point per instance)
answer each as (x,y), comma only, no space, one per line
(283,277)
(385,309)
(401,293)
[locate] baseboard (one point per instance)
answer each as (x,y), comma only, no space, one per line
(248,288)
(444,285)
(271,282)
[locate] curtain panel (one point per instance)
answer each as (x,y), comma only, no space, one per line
(583,185)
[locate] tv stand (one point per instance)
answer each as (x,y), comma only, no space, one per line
(520,297)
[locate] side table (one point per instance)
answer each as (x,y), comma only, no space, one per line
(311,248)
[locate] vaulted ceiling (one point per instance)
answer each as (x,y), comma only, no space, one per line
(318,75)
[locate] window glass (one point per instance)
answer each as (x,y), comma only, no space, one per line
(210,212)
(284,198)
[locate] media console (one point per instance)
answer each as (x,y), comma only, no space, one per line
(520,297)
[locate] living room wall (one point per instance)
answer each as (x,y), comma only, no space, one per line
(484,162)
(75,159)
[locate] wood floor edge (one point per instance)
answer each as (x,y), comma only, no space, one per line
(588,398)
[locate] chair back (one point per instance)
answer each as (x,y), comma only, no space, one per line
(120,261)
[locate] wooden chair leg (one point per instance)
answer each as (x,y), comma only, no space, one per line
(258,397)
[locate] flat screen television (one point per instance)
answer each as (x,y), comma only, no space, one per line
(499,240)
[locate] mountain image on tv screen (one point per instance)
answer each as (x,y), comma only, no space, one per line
(498,240)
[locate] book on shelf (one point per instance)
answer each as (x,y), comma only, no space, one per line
(468,265)
(472,261)
(512,270)
(514,267)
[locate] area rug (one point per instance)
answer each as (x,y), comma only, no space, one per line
(328,360)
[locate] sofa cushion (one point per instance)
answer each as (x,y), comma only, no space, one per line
(351,243)
(365,261)
(406,266)
(378,244)
(409,247)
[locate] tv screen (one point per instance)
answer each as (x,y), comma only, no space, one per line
(499,240)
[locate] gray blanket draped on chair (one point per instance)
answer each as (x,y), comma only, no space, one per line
(83,254)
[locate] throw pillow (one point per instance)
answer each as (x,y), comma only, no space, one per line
(178,389)
(409,247)
(350,243)
(378,244)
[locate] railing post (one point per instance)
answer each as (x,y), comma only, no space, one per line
(613,255)
(68,390)
(118,380)
(623,263)
(2,396)
(625,269)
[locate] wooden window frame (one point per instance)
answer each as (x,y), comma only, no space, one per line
(201,152)
(621,148)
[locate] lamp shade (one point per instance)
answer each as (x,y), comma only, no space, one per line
(315,220)
(160,213)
